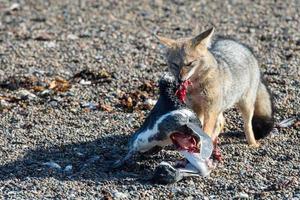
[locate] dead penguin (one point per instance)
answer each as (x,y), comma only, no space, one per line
(171,122)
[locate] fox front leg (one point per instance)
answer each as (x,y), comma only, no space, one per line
(210,121)
(211,127)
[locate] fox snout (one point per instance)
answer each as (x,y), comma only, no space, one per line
(183,74)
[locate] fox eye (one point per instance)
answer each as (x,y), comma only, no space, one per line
(189,64)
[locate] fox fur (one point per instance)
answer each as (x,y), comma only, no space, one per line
(224,73)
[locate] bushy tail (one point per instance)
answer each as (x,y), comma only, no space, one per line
(263,119)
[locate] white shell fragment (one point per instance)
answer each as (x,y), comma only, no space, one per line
(287,122)
(52,165)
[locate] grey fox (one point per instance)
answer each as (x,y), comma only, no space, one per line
(224,73)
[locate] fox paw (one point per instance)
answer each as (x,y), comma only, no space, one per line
(255,145)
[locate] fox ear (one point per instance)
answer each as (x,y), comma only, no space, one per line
(203,38)
(166,41)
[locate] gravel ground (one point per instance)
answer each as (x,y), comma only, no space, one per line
(77,78)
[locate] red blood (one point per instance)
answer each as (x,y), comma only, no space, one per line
(216,152)
(181,92)
(185,142)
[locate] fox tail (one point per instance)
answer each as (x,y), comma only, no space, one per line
(263,118)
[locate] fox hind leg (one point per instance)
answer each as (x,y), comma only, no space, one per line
(247,110)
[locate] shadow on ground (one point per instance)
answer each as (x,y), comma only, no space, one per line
(89,160)
(233,137)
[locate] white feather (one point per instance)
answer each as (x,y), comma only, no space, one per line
(142,143)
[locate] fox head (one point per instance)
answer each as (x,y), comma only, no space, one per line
(185,55)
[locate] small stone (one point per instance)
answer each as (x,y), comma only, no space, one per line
(141,66)
(120,195)
(84,82)
(72,37)
(243,195)
(85,34)
(264,170)
(4,104)
(53,103)
(46,93)
(189,198)
(25,94)
(79,154)
(274,133)
(68,169)
(252,30)
(43,36)
(89,105)
(50,44)
(150,102)
(14,7)
(73,110)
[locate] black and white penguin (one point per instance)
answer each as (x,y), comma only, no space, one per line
(171,122)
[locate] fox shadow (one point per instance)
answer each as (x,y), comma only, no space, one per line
(78,161)
(232,137)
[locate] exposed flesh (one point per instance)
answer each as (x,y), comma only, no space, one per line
(185,142)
